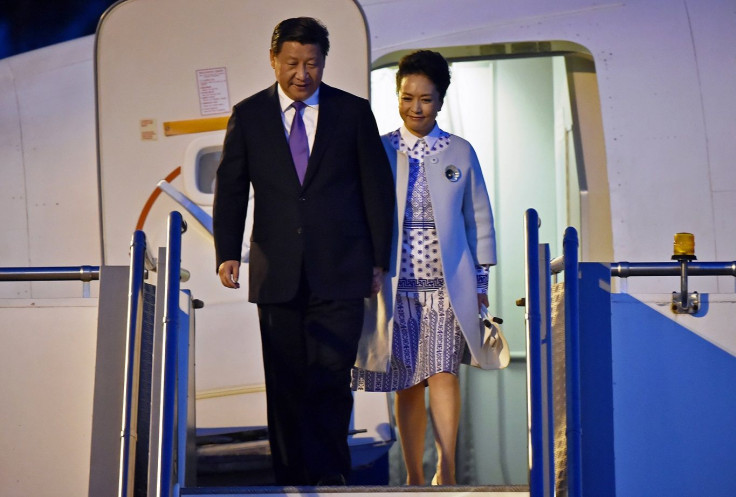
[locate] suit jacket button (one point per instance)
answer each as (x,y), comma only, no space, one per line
(299,231)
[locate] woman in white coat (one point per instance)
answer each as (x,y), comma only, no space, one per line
(444,239)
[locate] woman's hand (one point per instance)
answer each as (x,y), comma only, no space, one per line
(482,300)
(377,283)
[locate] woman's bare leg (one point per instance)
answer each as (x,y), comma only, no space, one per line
(411,418)
(444,407)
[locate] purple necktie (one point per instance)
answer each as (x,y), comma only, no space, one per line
(298,143)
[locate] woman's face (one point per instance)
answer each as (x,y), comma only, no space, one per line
(419,103)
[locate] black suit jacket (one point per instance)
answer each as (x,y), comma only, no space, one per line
(336,226)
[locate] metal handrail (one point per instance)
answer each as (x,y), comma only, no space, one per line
(539,269)
(52,273)
(557,265)
(85,274)
(132,363)
(694,268)
(534,352)
(572,365)
(184,397)
(171,327)
(550,477)
(683,302)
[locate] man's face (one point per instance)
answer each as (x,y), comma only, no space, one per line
(298,69)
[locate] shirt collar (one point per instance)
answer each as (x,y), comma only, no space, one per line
(411,139)
(285,101)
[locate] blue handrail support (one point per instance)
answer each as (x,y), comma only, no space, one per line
(572,364)
(177,394)
(546,472)
(169,380)
(534,352)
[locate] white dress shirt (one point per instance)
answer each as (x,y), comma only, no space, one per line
(410,138)
(309,114)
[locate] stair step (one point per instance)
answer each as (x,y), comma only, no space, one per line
(233,458)
(362,491)
(238,458)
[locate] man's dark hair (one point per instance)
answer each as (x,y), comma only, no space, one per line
(304,30)
(429,64)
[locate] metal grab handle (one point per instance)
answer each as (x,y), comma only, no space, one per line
(694,268)
(53,273)
(683,302)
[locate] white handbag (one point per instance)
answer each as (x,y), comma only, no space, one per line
(494,347)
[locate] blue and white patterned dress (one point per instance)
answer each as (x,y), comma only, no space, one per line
(427,338)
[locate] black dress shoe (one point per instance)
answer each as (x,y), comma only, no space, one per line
(332,480)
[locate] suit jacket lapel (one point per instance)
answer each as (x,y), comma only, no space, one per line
(327,121)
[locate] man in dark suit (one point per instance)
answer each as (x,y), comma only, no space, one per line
(320,244)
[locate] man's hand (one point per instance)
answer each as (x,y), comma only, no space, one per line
(377,281)
(229,272)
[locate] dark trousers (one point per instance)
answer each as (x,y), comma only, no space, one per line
(309,347)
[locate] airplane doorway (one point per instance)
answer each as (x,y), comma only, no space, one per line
(519,113)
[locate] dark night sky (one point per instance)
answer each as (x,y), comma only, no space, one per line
(29,24)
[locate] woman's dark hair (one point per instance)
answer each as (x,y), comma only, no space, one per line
(304,30)
(429,64)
